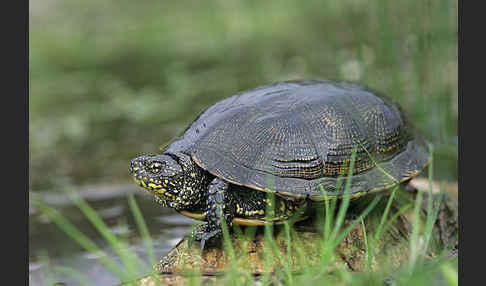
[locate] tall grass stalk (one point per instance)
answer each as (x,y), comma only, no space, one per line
(365,212)
(343,207)
(271,249)
(85,242)
(414,238)
(270,243)
(383,220)
(142,228)
(288,243)
(432,211)
(396,215)
(145,234)
(301,257)
(131,263)
(228,245)
(195,280)
(79,277)
(367,247)
(385,214)
(329,243)
(327,215)
(129,260)
(450,274)
(415,244)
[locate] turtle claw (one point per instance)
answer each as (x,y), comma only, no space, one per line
(207,237)
(204,235)
(202,244)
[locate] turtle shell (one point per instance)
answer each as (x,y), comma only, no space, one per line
(297,138)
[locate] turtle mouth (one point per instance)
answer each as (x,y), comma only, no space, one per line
(147,183)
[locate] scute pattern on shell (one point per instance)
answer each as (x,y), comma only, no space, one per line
(293,137)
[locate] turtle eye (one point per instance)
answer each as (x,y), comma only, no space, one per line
(155,167)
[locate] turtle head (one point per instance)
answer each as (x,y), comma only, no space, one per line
(162,175)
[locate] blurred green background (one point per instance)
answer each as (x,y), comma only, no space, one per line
(110,80)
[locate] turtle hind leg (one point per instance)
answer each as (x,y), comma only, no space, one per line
(262,206)
(220,209)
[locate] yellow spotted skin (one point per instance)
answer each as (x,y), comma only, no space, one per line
(175,181)
(253,205)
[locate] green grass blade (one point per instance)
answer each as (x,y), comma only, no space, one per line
(385,215)
(129,259)
(366,211)
(414,237)
(300,256)
(144,232)
(346,198)
(195,280)
(450,274)
(432,211)
(269,235)
(328,245)
(416,227)
(288,240)
(367,248)
(327,215)
(79,277)
(228,245)
(142,228)
(396,215)
(68,228)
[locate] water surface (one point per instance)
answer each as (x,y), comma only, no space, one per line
(166,228)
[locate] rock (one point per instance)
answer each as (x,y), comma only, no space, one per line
(260,255)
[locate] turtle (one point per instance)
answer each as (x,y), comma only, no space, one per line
(291,139)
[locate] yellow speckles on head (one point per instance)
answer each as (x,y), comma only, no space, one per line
(161,192)
(155,186)
(167,194)
(166,182)
(193,174)
(151,179)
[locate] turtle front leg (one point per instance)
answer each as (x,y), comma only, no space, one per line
(219,204)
